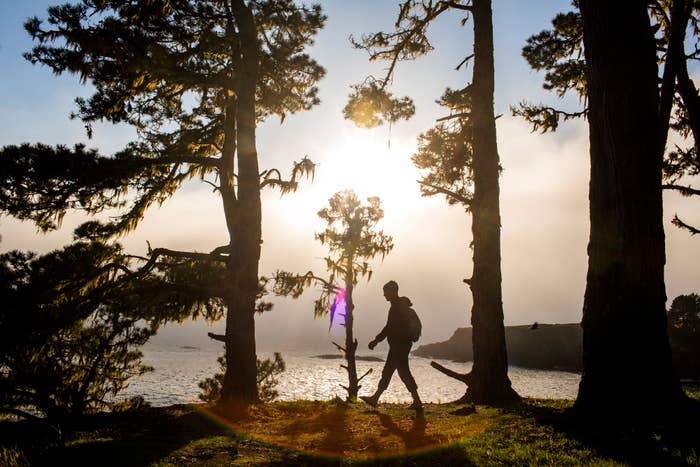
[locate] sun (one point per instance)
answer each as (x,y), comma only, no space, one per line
(364,162)
(359,160)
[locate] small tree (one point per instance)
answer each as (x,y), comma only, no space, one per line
(684,334)
(268,370)
(352,241)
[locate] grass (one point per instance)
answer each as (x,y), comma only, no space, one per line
(535,432)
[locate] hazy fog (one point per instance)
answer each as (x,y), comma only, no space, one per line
(543,187)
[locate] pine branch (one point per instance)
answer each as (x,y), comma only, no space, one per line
(273,177)
(437,189)
(682,189)
(457,115)
(680,224)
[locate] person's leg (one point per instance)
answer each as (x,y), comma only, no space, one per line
(406,376)
(387,373)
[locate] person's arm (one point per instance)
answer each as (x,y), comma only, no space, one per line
(383,333)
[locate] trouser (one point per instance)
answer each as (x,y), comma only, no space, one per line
(398,360)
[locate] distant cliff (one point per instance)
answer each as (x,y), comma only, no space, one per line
(549,346)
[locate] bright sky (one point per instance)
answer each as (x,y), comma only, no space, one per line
(544,187)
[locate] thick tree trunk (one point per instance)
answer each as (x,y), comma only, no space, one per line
(626,356)
(240,379)
(489,376)
(350,342)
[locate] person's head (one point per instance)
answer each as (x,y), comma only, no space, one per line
(391,290)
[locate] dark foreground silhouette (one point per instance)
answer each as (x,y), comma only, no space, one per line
(335,432)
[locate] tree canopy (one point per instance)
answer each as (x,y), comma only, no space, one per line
(559,53)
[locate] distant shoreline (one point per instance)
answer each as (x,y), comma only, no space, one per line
(555,347)
(364,358)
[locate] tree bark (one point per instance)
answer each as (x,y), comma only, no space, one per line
(350,341)
(244,223)
(489,376)
(626,355)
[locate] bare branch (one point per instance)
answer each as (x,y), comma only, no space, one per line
(366,373)
(217,337)
(466,59)
(465,378)
(450,117)
(456,6)
(462,199)
(339,347)
(682,189)
(216,187)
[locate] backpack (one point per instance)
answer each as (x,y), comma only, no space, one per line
(414,325)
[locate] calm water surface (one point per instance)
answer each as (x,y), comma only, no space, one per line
(178,370)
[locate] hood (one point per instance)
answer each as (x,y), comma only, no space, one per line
(402,301)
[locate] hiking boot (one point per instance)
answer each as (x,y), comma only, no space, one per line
(370,400)
(417,405)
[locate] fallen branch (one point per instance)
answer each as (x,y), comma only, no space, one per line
(463,377)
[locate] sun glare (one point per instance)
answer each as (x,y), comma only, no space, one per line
(366,164)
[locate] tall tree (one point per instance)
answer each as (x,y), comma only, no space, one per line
(460,160)
(626,354)
(352,240)
(194,79)
(559,52)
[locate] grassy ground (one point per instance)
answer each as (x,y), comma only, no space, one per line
(536,432)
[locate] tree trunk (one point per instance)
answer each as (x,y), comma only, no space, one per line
(626,356)
(489,376)
(240,379)
(350,342)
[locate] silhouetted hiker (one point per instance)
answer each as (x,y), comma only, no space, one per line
(400,337)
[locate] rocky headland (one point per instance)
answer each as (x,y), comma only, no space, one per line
(542,346)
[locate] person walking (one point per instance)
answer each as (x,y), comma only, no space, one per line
(400,337)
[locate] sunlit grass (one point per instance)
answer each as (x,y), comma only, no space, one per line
(536,432)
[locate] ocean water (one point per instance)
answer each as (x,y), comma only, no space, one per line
(177,370)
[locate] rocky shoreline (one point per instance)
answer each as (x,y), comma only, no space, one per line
(541,346)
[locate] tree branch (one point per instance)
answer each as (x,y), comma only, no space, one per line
(456,6)
(465,378)
(339,347)
(450,117)
(456,196)
(680,14)
(679,223)
(466,59)
(366,373)
(683,190)
(217,337)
